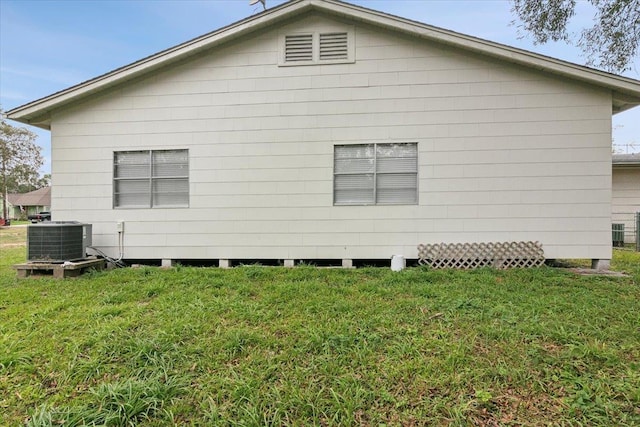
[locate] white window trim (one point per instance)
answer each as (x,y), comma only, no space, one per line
(151,179)
(351,49)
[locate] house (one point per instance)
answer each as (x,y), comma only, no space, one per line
(10,209)
(323,130)
(23,204)
(625,200)
(30,203)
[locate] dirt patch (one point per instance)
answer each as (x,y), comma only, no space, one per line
(592,272)
(13,236)
(11,245)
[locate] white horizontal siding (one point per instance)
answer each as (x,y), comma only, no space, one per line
(505,153)
(626,199)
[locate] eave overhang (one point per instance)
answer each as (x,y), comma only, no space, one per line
(626,160)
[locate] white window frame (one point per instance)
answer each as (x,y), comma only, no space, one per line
(151,178)
(375,173)
(351,50)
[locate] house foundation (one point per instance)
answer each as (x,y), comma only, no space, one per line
(600,264)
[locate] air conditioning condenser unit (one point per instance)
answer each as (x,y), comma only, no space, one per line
(58,241)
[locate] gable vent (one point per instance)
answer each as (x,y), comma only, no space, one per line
(333,46)
(298,47)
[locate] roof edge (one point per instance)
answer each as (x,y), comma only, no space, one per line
(625,91)
(626,159)
(32,113)
(618,84)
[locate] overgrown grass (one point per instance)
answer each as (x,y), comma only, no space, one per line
(305,346)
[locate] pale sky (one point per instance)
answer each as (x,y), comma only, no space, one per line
(47,46)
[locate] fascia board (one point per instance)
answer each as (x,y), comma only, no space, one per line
(507,53)
(617,84)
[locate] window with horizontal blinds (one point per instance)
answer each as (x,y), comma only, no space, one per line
(396,174)
(375,174)
(151,178)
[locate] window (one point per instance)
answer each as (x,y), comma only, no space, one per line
(332,47)
(375,174)
(151,179)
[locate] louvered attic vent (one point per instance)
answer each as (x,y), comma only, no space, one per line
(299,47)
(333,46)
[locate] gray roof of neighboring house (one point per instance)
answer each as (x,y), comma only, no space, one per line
(39,197)
(626,159)
(625,91)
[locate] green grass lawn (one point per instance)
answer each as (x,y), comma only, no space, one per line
(272,346)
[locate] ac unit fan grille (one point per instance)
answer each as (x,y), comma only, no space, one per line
(55,243)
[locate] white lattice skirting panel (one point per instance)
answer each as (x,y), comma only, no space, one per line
(474,255)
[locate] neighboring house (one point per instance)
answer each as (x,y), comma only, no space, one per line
(323,130)
(626,193)
(10,208)
(22,205)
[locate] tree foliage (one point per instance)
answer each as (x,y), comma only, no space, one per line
(25,179)
(20,160)
(611,43)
